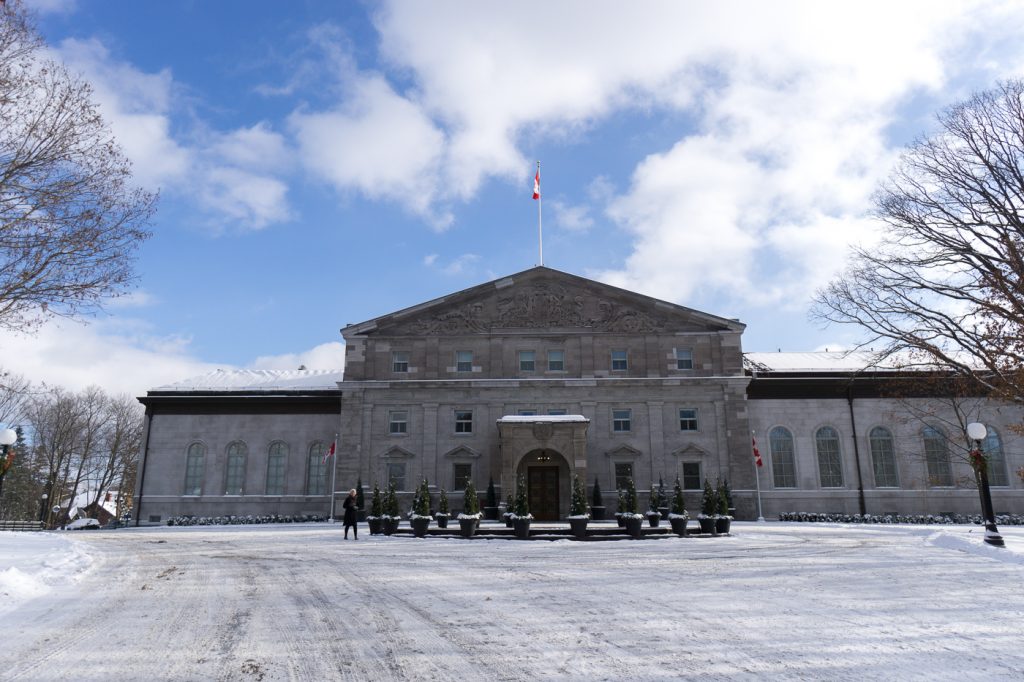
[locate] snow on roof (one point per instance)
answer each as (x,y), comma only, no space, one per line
(834,361)
(534,418)
(259,380)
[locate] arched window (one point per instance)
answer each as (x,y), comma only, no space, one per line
(883,458)
(276,460)
(783,459)
(830,464)
(194,469)
(316,471)
(234,482)
(936,457)
(992,446)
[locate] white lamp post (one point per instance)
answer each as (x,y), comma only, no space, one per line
(8,437)
(977,432)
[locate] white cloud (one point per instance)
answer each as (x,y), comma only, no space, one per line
(325,356)
(456,266)
(572,218)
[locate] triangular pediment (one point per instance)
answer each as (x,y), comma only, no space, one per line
(624,452)
(691,450)
(395,452)
(542,298)
(462,452)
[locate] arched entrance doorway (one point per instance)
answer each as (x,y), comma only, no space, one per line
(546,474)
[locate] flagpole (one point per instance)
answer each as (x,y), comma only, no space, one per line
(540,231)
(334,473)
(757,481)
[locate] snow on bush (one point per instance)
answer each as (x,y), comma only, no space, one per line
(816,517)
(242,520)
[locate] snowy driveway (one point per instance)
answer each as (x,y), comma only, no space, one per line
(298,602)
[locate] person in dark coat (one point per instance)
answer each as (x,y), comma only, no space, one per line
(349,505)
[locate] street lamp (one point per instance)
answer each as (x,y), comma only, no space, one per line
(8,437)
(977,433)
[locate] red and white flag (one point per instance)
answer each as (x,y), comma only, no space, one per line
(329,453)
(536,185)
(757,453)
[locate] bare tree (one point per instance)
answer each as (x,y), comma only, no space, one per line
(70,221)
(945,287)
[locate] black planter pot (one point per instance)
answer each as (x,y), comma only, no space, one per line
(664,512)
(508,520)
(389,525)
(619,520)
(522,527)
(442,521)
(597,513)
(376,526)
(579,528)
(722,526)
(707,526)
(419,527)
(491,513)
(468,527)
(678,527)
(634,527)
(654,520)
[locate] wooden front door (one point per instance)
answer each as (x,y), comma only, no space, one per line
(542,487)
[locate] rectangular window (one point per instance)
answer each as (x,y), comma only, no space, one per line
(527,413)
(687,419)
(463,421)
(684,358)
(691,476)
(623,475)
(936,452)
(275,469)
(556,360)
(526,360)
(399,361)
(464,361)
(398,422)
(557,411)
(620,361)
(396,474)
(622,420)
(461,474)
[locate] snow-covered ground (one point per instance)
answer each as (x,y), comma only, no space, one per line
(787,601)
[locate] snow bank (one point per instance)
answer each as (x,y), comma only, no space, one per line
(32,564)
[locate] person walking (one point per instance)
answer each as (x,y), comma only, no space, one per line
(349,505)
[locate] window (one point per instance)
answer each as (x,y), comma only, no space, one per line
(691,476)
(194,469)
(684,358)
(463,421)
(883,458)
(557,411)
(400,361)
(936,457)
(527,413)
(687,419)
(556,360)
(780,441)
(275,468)
(526,360)
(993,449)
(316,470)
(461,474)
(623,475)
(235,479)
(620,360)
(398,422)
(621,420)
(830,464)
(396,474)
(463,361)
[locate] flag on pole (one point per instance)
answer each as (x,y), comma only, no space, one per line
(536,184)
(757,453)
(329,453)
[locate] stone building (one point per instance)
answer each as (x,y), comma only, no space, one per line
(546,375)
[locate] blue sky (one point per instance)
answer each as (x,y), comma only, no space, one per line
(323,163)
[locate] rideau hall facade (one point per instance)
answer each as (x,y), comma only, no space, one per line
(547,375)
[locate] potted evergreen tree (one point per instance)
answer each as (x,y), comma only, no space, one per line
(665,502)
(578,513)
(510,504)
(597,503)
(491,506)
(470,516)
(678,517)
(708,509)
(420,517)
(442,510)
(653,514)
(376,517)
(360,501)
(392,516)
(727,493)
(724,520)
(633,521)
(521,515)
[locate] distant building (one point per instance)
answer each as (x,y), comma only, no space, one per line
(545,375)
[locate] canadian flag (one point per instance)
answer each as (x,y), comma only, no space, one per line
(536,185)
(329,453)
(757,453)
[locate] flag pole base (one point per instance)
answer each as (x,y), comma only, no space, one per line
(760,519)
